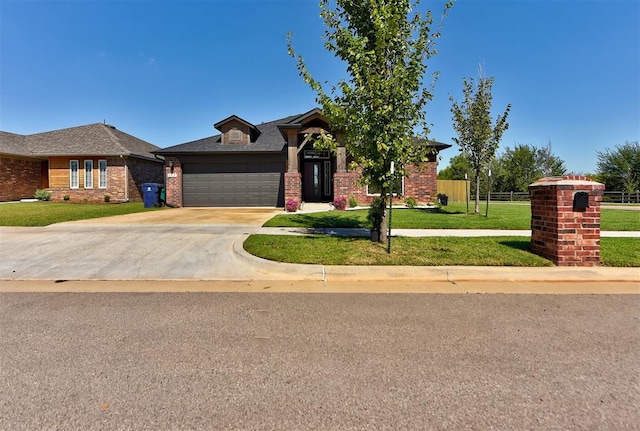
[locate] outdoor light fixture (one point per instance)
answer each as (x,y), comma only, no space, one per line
(171,165)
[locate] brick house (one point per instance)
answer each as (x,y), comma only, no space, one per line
(85,163)
(270,163)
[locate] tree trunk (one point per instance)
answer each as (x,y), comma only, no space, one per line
(384,226)
(477,210)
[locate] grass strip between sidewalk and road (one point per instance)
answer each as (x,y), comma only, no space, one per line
(507,216)
(426,251)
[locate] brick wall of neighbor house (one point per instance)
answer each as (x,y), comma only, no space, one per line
(567,235)
(143,171)
(173,181)
(139,171)
(19,178)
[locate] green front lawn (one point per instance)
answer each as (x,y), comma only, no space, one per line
(507,216)
(46,213)
(431,251)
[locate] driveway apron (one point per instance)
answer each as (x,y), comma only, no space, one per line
(173,244)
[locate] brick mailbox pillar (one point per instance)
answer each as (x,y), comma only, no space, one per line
(565,220)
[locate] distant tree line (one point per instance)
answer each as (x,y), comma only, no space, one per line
(515,168)
(511,171)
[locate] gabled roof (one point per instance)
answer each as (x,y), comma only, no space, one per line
(221,123)
(91,140)
(269,139)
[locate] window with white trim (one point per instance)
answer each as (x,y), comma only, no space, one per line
(88,174)
(74,181)
(398,189)
(102,175)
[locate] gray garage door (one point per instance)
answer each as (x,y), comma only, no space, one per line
(233,184)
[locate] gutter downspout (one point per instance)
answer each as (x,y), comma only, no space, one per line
(126,179)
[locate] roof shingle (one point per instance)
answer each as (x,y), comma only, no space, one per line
(91,140)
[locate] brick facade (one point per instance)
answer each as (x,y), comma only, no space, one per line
(20,178)
(173,184)
(561,232)
(293,187)
(123,185)
(421,184)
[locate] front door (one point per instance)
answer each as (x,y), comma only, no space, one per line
(317,181)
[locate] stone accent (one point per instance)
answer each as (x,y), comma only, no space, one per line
(20,178)
(566,234)
(293,187)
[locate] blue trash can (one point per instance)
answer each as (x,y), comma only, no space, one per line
(151,194)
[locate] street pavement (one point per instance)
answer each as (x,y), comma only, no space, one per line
(247,361)
(164,322)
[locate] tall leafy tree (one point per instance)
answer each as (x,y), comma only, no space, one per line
(619,169)
(477,136)
(459,166)
(379,108)
(517,168)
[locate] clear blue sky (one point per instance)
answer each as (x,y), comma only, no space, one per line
(166,71)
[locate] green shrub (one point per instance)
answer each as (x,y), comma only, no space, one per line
(107,198)
(410,202)
(352,201)
(42,195)
(376,213)
(66,197)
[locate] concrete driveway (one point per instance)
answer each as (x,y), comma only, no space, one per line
(176,244)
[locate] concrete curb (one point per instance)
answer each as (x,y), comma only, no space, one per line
(263,269)
(332,273)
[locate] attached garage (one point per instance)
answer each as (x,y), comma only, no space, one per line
(228,182)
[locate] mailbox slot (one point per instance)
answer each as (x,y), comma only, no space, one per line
(580,201)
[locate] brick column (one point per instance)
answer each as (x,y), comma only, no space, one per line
(293,187)
(173,181)
(565,223)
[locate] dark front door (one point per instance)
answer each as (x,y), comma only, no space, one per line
(316,181)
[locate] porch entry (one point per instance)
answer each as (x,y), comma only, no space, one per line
(317,176)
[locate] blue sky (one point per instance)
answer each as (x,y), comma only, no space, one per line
(166,71)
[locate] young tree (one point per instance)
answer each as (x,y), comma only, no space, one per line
(619,169)
(385,45)
(477,137)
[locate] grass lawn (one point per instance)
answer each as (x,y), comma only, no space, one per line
(432,251)
(46,213)
(501,216)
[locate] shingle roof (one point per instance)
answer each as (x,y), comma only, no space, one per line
(269,140)
(92,140)
(10,143)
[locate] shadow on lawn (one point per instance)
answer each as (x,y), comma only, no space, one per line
(438,210)
(328,221)
(518,244)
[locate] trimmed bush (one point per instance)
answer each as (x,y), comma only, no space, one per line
(42,195)
(410,202)
(352,201)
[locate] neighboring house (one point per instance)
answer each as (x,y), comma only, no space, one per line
(85,163)
(270,163)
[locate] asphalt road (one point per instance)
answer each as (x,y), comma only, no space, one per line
(318,361)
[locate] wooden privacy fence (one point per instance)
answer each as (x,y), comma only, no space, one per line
(456,190)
